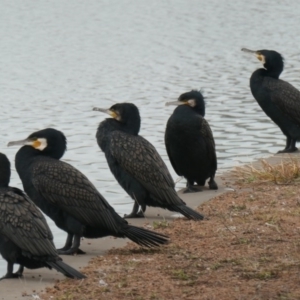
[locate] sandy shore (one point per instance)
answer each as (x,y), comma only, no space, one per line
(35,281)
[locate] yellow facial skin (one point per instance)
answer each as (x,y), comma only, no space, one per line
(190,102)
(39,143)
(114,114)
(261,58)
(36,144)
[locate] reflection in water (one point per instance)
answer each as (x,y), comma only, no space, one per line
(59,59)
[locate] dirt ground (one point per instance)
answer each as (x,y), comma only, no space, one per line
(248,248)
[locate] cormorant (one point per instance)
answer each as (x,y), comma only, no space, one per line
(68,197)
(278,99)
(25,237)
(136,164)
(189,141)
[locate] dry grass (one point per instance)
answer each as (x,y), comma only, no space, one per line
(283,173)
(248,249)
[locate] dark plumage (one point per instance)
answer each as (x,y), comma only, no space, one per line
(68,197)
(278,99)
(25,237)
(136,164)
(189,142)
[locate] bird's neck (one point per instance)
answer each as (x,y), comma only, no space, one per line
(110,125)
(4,178)
(185,110)
(131,126)
(273,72)
(24,157)
(259,74)
(4,183)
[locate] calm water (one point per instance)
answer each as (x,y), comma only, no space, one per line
(59,59)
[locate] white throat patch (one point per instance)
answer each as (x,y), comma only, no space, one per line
(39,144)
(43,144)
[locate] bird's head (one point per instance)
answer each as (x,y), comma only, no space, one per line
(272,61)
(193,99)
(125,113)
(49,141)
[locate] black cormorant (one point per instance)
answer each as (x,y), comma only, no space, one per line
(189,142)
(136,164)
(25,237)
(68,197)
(278,99)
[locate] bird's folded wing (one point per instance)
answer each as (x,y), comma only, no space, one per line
(23,223)
(286,97)
(207,134)
(67,188)
(141,160)
(169,152)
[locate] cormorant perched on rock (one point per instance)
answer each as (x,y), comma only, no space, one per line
(25,237)
(136,164)
(278,99)
(189,142)
(68,197)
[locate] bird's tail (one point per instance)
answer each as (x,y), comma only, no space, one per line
(187,212)
(68,271)
(144,237)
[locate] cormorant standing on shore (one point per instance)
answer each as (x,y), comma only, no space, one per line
(68,197)
(278,99)
(136,164)
(189,142)
(25,237)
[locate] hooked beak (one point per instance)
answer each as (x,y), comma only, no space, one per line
(249,51)
(36,143)
(104,110)
(20,143)
(176,103)
(107,111)
(258,55)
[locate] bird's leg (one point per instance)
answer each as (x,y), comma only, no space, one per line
(67,245)
(212,184)
(190,188)
(141,213)
(9,273)
(134,213)
(74,249)
(288,141)
(19,273)
(290,146)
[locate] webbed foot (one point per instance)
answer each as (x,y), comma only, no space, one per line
(132,215)
(71,251)
(12,275)
(191,189)
(288,150)
(212,184)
